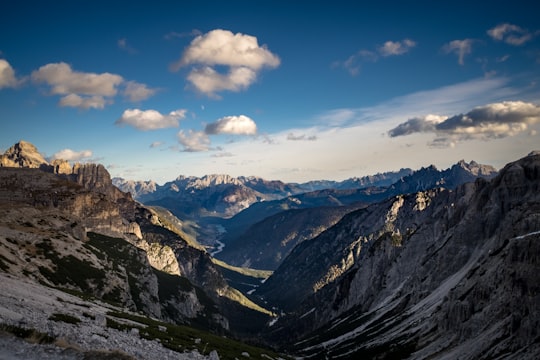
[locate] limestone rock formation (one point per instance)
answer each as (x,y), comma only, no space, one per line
(22,154)
(443,273)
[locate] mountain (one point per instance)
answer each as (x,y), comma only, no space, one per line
(75,230)
(264,234)
(377,180)
(442,273)
(224,196)
(266,244)
(22,154)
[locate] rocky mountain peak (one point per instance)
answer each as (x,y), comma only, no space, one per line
(22,154)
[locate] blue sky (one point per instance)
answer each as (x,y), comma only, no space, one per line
(289,90)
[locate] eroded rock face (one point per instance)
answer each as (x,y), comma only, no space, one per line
(22,154)
(451,274)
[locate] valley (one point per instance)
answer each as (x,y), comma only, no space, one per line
(408,264)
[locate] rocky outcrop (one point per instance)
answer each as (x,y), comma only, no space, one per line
(22,154)
(443,273)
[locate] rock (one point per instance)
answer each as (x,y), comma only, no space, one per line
(22,154)
(61,167)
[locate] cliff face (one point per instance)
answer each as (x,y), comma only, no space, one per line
(22,154)
(445,273)
(64,234)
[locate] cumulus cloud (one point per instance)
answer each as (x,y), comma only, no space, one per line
(135,91)
(293,137)
(63,80)
(459,47)
(150,119)
(7,75)
(87,90)
(492,121)
(391,48)
(209,81)
(239,52)
(235,125)
(510,34)
(71,155)
(194,141)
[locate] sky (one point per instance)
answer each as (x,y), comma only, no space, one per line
(286,90)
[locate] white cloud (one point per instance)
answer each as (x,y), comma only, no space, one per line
(71,155)
(492,121)
(7,75)
(459,47)
(83,102)
(209,81)
(63,80)
(135,91)
(194,141)
(150,119)
(239,52)
(236,125)
(510,34)
(390,48)
(87,90)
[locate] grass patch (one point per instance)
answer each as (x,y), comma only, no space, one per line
(259,274)
(65,318)
(30,335)
(182,338)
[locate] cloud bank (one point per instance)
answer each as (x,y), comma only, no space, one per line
(492,121)
(240,53)
(150,119)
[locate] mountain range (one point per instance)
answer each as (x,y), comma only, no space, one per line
(413,264)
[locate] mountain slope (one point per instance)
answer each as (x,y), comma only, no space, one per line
(443,273)
(64,217)
(262,235)
(267,243)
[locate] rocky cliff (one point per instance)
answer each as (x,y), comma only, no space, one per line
(66,206)
(22,154)
(442,273)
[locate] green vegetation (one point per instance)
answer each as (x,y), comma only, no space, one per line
(64,318)
(260,274)
(119,252)
(186,231)
(30,335)
(183,338)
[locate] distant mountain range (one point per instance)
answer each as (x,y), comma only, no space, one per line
(224,196)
